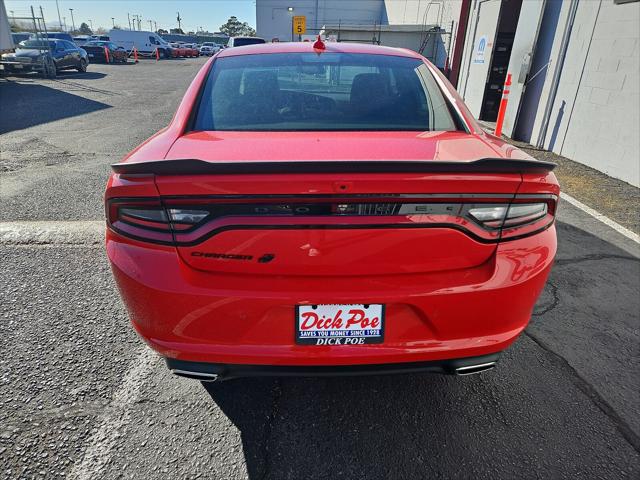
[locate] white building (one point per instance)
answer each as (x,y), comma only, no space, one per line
(575,67)
(420,25)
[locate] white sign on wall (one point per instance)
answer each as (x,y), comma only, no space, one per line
(481,46)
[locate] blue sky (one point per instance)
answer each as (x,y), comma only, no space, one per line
(209,14)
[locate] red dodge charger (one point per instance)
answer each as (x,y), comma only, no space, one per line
(319,209)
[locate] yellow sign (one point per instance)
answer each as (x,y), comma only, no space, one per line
(299,24)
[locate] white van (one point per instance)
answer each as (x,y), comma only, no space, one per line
(145,42)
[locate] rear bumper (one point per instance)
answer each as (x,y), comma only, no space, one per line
(230,320)
(209,372)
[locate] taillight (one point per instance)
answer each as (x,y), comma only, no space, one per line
(150,221)
(515,219)
(182,221)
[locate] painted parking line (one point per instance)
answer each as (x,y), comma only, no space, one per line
(80,233)
(114,419)
(602,218)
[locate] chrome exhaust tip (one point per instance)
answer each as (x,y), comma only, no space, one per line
(472,369)
(202,377)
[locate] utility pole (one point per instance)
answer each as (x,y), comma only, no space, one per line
(91,23)
(64,21)
(129,20)
(73,23)
(150,25)
(113,22)
(156,24)
(179,20)
(59,19)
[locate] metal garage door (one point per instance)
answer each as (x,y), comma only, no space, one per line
(521,58)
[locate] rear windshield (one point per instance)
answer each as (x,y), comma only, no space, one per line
(328,91)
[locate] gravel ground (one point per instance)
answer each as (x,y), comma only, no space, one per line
(81,396)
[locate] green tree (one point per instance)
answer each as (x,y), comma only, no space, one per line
(84,29)
(235,28)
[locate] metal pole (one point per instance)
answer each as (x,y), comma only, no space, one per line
(150,25)
(59,20)
(64,21)
(91,23)
(113,22)
(129,20)
(73,23)
(35,26)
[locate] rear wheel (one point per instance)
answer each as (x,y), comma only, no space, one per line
(82,68)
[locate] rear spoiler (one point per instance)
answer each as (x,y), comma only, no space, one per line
(195,167)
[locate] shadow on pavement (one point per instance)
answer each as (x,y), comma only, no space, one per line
(64,74)
(533,416)
(27,104)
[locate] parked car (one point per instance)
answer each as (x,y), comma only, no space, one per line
(53,35)
(96,52)
(47,57)
(145,42)
(80,40)
(209,48)
(242,41)
(285,223)
(178,50)
(192,50)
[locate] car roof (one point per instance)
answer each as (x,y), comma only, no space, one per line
(307,47)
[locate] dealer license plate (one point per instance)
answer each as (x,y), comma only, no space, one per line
(355,324)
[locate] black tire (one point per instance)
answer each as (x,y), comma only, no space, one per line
(162,54)
(82,68)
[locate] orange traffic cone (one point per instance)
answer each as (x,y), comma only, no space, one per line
(106,54)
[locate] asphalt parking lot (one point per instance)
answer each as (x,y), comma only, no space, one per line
(81,397)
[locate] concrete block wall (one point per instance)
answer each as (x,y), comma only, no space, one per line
(595,119)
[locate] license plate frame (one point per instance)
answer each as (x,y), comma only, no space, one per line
(347,333)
